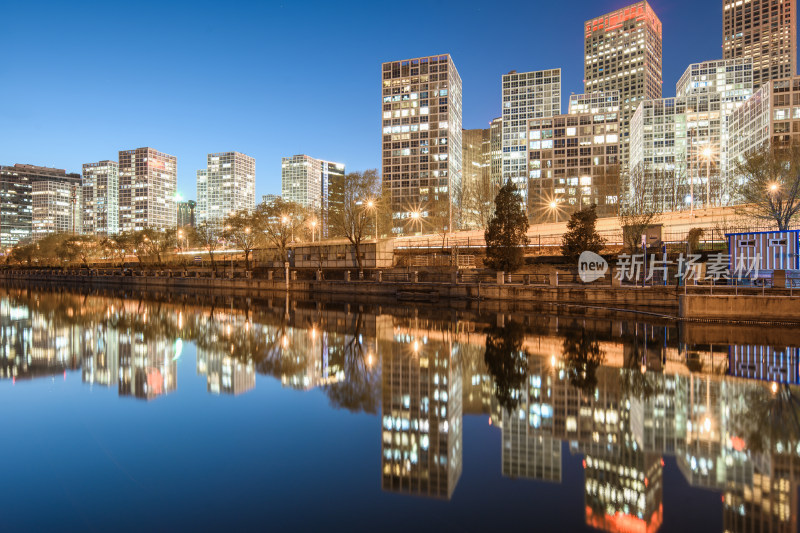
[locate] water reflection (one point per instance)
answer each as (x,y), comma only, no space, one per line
(622,395)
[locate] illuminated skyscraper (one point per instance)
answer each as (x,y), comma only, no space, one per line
(526,95)
(148,181)
(475,181)
(679,146)
(187,213)
(309,182)
(422,169)
(765,30)
(100,198)
(622,52)
(58,205)
(496,150)
(226,185)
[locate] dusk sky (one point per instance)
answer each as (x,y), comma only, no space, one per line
(82,81)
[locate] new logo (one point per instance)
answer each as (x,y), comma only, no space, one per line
(591,267)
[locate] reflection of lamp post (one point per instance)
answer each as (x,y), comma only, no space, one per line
(230,252)
(689,135)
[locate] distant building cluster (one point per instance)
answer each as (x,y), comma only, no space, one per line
(620,144)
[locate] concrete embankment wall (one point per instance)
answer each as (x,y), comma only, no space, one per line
(457,295)
(740,307)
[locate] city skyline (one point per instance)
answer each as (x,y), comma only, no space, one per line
(358,147)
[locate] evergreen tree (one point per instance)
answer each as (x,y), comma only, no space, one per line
(581,234)
(507,232)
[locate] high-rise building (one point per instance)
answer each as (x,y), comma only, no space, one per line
(187,213)
(476,185)
(306,180)
(526,96)
(267,198)
(496,153)
(100,186)
(421,142)
(474,146)
(148,181)
(16,202)
(766,31)
(622,52)
(226,185)
(57,206)
(678,146)
(15,205)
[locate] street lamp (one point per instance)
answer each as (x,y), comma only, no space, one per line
(313,229)
(707,153)
(371,205)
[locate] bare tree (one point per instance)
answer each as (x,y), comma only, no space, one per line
(281,222)
(639,210)
(207,236)
(245,230)
(770,178)
(477,204)
(354,217)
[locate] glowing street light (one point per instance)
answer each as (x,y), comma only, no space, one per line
(373,206)
(707,153)
(314,229)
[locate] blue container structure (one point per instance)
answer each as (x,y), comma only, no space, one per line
(775,250)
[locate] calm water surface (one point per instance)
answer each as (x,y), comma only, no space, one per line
(127,412)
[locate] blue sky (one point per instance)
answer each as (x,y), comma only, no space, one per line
(82,81)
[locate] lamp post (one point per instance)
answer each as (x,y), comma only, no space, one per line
(373,206)
(689,135)
(707,152)
(314,229)
(553,206)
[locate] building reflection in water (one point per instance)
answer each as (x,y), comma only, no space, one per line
(421,414)
(618,396)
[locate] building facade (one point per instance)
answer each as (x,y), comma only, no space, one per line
(100,195)
(226,185)
(269,198)
(16,201)
(421,142)
(475,158)
(526,95)
(306,180)
(574,163)
(764,30)
(770,117)
(678,155)
(622,52)
(187,213)
(148,181)
(496,153)
(15,205)
(57,206)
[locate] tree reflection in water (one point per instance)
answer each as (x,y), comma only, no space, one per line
(506,362)
(583,357)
